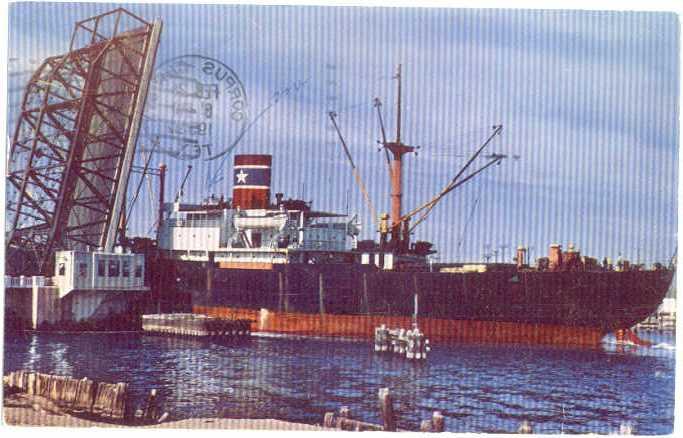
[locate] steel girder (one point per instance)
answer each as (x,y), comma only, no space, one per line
(67,153)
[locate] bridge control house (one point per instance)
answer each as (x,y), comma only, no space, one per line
(86,286)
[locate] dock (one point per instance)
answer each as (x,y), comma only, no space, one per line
(658,322)
(195,325)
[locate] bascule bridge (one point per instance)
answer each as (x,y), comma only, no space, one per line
(73,147)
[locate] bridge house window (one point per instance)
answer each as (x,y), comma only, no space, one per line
(125,268)
(62,269)
(138,270)
(82,269)
(113,268)
(101,268)
(255,240)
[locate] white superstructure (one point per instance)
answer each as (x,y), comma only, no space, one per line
(288,232)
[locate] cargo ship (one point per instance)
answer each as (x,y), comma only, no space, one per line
(295,270)
(292,269)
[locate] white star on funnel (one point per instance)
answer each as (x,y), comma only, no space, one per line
(242,177)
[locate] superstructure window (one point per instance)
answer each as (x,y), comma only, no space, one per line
(125,269)
(61,271)
(101,268)
(138,271)
(82,269)
(113,268)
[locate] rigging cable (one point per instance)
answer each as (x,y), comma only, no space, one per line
(467,222)
(152,199)
(137,189)
(482,189)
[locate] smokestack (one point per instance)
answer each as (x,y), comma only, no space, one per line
(251,181)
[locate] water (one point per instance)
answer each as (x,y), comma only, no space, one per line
(478,388)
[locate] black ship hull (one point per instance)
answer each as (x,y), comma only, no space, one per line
(590,303)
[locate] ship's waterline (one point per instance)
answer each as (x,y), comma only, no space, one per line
(363,326)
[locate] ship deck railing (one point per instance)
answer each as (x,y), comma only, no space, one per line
(193,223)
(28,281)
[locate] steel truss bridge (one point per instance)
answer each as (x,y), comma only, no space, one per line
(74,143)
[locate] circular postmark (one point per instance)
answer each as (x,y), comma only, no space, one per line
(196,108)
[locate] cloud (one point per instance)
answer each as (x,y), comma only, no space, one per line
(588,99)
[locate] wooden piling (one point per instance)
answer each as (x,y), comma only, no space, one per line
(438,422)
(84,395)
(343,421)
(332,421)
(434,424)
(625,429)
(150,411)
(328,420)
(110,400)
(42,385)
(31,383)
(386,408)
(525,428)
(69,391)
(349,424)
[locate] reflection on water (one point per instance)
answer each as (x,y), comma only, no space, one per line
(479,388)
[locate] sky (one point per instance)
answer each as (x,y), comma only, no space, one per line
(588,100)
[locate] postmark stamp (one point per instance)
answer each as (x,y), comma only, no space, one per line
(196,106)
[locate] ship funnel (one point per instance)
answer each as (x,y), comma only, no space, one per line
(251,181)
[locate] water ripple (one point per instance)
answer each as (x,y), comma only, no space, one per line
(478,388)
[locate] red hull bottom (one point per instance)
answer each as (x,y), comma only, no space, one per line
(436,330)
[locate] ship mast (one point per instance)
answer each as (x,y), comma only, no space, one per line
(398,150)
(400,228)
(398,105)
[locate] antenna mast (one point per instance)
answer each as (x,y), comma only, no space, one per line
(398,104)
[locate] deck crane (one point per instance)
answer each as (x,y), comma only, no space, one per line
(378,104)
(400,228)
(400,223)
(456,182)
(395,150)
(180,192)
